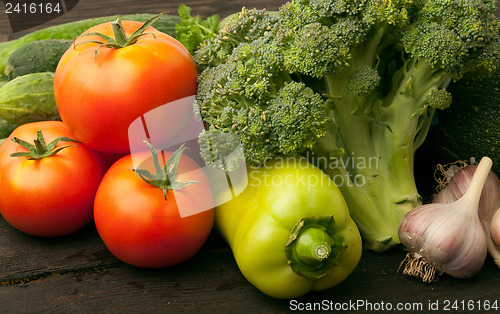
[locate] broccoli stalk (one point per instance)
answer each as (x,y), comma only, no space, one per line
(379,137)
(351,84)
(379,131)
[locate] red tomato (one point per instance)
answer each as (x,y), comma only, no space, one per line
(99,96)
(142,228)
(52,196)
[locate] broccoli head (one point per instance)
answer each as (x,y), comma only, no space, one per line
(351,84)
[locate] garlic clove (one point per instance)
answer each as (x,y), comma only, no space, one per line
(489,202)
(495,229)
(469,258)
(457,185)
(447,237)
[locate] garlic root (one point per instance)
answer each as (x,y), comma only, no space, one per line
(418,266)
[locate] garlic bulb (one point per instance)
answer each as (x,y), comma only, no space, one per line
(446,237)
(495,232)
(488,203)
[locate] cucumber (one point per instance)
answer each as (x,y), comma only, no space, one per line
(29,98)
(36,56)
(469,128)
(71,30)
(6,128)
(3,80)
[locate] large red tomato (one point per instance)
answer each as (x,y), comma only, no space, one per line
(144,227)
(51,196)
(100,90)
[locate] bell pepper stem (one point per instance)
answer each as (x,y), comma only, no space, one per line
(314,246)
(322,251)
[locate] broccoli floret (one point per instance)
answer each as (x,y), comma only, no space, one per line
(363,80)
(296,118)
(244,27)
(220,148)
(440,99)
(351,84)
(310,51)
(456,36)
(332,8)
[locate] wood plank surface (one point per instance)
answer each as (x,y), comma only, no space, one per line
(78,274)
(96,8)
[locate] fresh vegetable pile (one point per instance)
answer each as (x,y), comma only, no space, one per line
(312,114)
(61,181)
(352,85)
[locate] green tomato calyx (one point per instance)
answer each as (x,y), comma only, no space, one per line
(314,246)
(40,149)
(120,39)
(164,177)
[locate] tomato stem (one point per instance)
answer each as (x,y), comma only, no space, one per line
(164,177)
(120,39)
(119,33)
(40,149)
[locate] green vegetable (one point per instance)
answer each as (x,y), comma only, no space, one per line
(29,98)
(470,128)
(71,30)
(290,229)
(6,128)
(353,85)
(192,30)
(36,56)
(3,80)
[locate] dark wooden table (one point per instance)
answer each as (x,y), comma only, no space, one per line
(77,273)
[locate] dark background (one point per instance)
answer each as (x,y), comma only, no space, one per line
(77,273)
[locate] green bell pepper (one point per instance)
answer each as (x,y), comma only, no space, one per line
(290,230)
